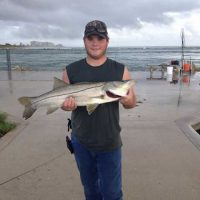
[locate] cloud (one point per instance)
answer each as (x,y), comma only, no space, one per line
(64,20)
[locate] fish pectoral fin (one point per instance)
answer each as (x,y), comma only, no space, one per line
(51,109)
(58,83)
(91,108)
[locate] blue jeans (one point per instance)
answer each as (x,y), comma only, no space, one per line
(100,172)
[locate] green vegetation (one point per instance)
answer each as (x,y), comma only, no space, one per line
(9,46)
(5,126)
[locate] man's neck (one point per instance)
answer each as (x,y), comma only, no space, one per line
(96,62)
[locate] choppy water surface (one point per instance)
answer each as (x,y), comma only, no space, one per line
(135,58)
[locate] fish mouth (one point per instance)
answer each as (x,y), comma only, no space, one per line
(112,95)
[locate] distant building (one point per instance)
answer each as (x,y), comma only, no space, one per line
(44,44)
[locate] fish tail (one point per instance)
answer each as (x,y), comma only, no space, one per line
(29,110)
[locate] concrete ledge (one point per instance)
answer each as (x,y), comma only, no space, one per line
(11,135)
(187,124)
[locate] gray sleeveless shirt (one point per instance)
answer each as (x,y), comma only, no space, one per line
(99,131)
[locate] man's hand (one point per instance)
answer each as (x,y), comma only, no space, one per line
(69,104)
(128,101)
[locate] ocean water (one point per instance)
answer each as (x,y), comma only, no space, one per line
(135,58)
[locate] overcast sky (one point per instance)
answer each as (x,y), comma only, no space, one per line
(130,22)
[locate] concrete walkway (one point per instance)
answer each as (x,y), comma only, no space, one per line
(159,161)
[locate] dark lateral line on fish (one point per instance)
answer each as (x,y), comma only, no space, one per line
(67,93)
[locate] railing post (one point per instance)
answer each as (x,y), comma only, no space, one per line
(9,64)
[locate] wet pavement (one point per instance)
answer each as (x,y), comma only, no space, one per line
(159,159)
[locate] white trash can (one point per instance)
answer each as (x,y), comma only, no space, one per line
(169,70)
(169,77)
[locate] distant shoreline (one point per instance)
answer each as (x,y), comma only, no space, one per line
(32,44)
(32,47)
(71,47)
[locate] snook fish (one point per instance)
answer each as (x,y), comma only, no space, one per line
(85,94)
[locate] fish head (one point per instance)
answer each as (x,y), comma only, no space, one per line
(117,89)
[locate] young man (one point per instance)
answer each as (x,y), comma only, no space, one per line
(96,138)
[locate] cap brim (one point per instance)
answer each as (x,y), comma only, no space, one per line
(96,33)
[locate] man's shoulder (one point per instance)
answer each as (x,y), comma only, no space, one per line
(116,69)
(116,65)
(76,63)
(114,62)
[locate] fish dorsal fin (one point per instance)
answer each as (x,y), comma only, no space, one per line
(90,108)
(58,83)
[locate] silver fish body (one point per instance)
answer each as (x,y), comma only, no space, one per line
(85,94)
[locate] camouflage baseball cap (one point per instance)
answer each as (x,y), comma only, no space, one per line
(96,27)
